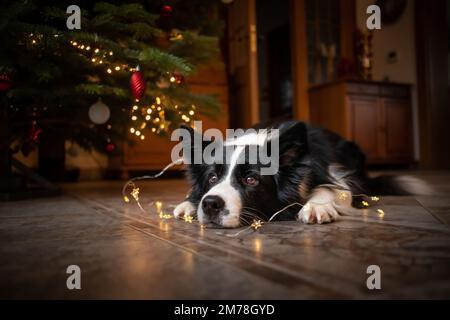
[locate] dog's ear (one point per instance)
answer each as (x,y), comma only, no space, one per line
(293,142)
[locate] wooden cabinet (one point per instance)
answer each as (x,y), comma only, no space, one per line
(375,115)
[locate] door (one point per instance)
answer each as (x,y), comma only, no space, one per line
(243,63)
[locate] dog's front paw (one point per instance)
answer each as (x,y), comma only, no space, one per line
(184,209)
(317,213)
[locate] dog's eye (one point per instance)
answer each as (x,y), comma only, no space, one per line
(212,178)
(251,181)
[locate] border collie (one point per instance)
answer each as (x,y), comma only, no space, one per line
(323,172)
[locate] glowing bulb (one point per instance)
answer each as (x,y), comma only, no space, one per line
(74,43)
(147,117)
(134,118)
(96,50)
(176,107)
(117,68)
(158,100)
(88,48)
(191,112)
(172,79)
(82,46)
(135,107)
(187,119)
(109,70)
(143,125)
(132,130)
(162,126)
(34,41)
(93,60)
(153,129)
(149,111)
(380,213)
(138,133)
(157,120)
(110,53)
(159,108)
(101,61)
(142,137)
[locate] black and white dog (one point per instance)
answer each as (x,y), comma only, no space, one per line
(317,168)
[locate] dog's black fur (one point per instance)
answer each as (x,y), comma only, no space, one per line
(306,154)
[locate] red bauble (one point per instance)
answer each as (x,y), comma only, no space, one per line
(166,11)
(5,82)
(137,84)
(177,78)
(110,147)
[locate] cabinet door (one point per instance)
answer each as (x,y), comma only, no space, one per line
(398,129)
(365,121)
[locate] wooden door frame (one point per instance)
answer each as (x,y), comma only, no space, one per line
(432,83)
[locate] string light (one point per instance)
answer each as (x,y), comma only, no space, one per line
(380,213)
(256,224)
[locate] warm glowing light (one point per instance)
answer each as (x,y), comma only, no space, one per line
(188,219)
(142,137)
(138,133)
(101,61)
(162,126)
(132,130)
(153,129)
(380,213)
(135,194)
(158,205)
(117,68)
(147,117)
(172,79)
(82,46)
(88,48)
(191,112)
(126,199)
(375,199)
(365,203)
(143,125)
(256,224)
(149,111)
(158,100)
(110,53)
(109,70)
(96,50)
(134,118)
(135,107)
(74,43)
(157,120)
(93,60)
(158,109)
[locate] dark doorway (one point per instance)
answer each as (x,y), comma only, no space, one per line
(274,60)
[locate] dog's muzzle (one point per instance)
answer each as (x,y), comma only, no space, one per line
(212,207)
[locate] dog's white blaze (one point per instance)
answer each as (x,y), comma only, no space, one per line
(228,193)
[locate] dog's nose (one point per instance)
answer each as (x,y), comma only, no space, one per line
(212,205)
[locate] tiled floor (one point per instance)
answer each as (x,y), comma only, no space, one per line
(124,253)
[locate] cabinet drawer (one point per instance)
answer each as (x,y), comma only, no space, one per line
(395,91)
(362,88)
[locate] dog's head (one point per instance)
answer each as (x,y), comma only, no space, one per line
(234,192)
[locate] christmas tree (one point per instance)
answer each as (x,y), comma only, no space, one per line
(75,84)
